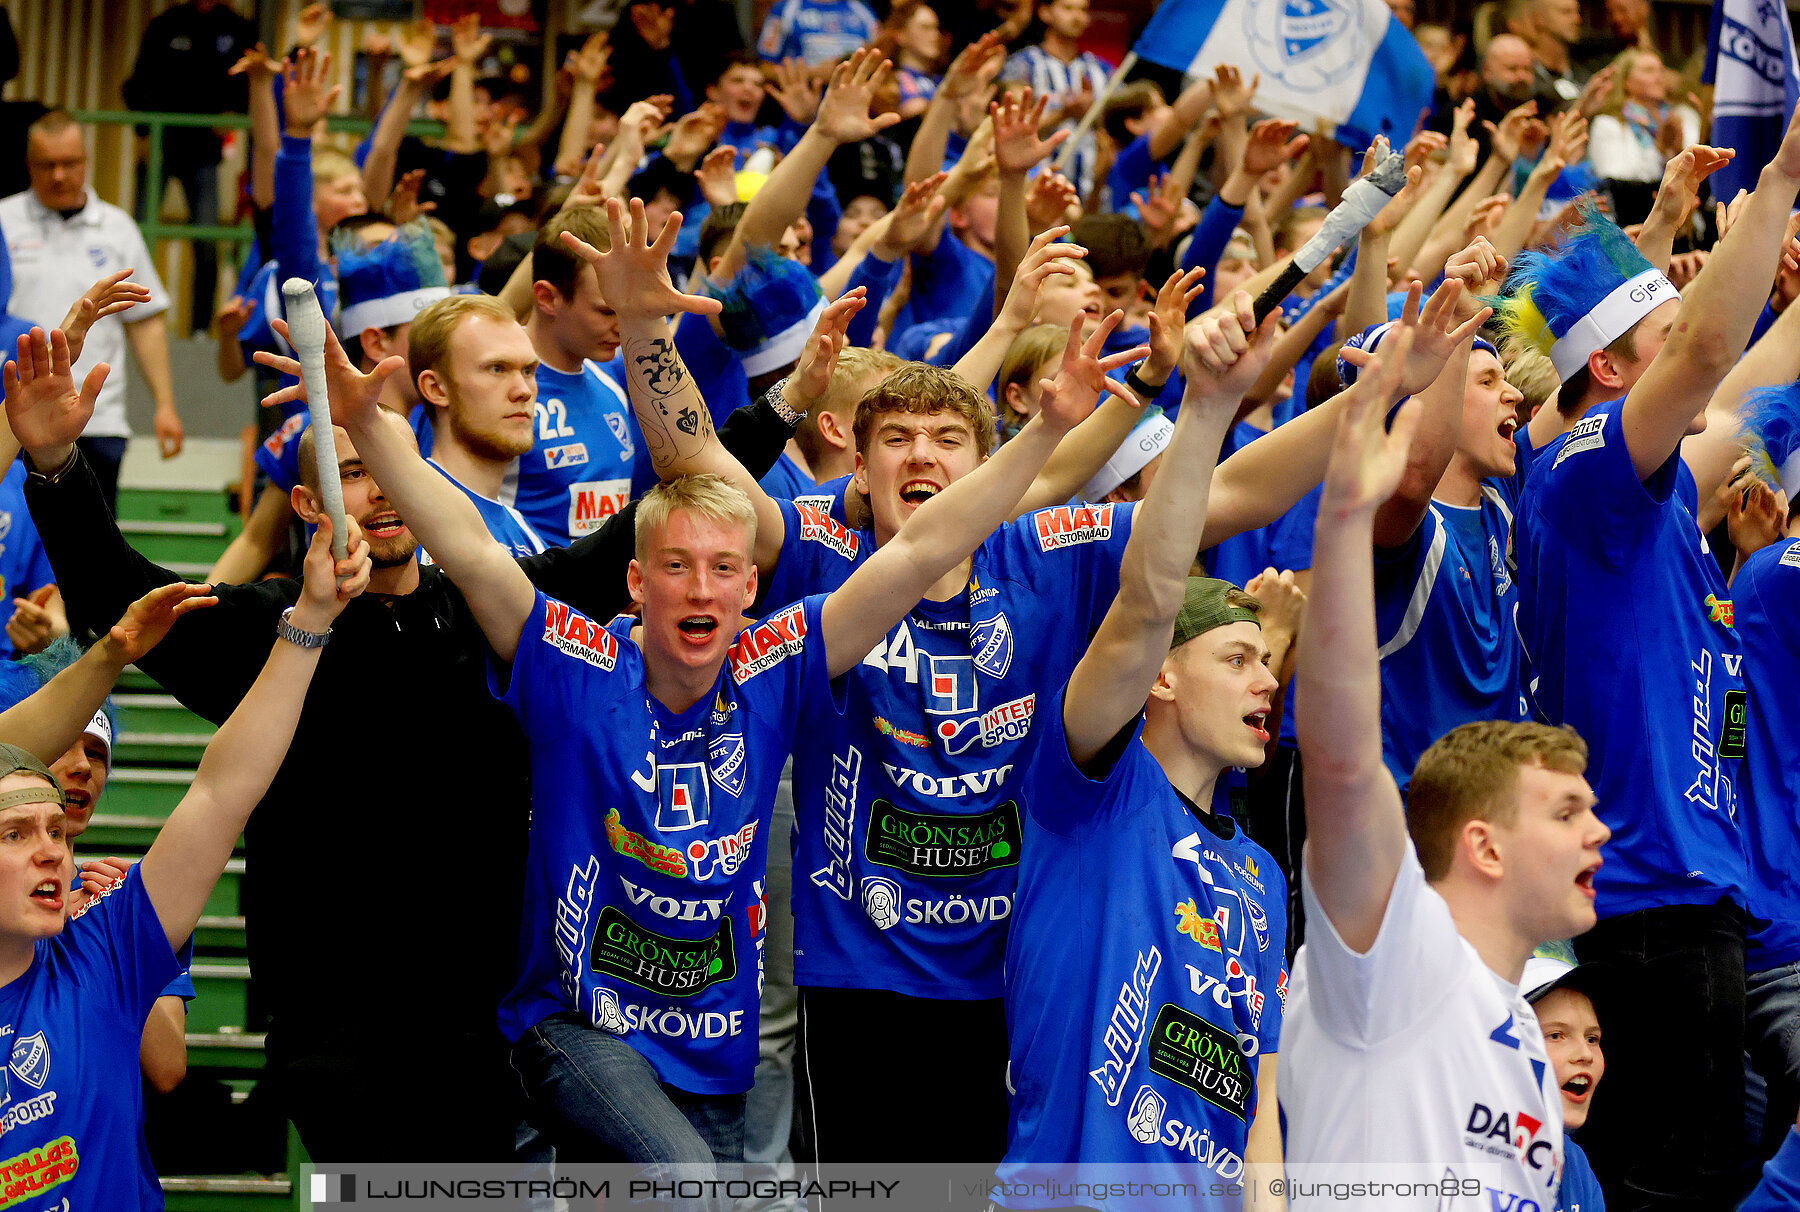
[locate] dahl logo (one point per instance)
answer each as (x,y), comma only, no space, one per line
(1309,45)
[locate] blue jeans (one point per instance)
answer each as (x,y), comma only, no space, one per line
(598,1100)
(1772,1028)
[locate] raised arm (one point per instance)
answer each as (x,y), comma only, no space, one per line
(1225,353)
(1355,825)
(1717,313)
(48,722)
(1044,259)
(390,128)
(439,514)
(265,123)
(1676,199)
(1017,149)
(947,529)
(1772,361)
(971,71)
(187,856)
(843,118)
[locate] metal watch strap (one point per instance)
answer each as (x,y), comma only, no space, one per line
(285,629)
(779,403)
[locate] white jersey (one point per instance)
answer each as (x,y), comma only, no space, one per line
(1415,1052)
(55,260)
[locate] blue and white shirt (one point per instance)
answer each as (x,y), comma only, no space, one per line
(1629,637)
(1146,978)
(1049,76)
(816,31)
(577,473)
(910,802)
(505,523)
(645,909)
(71,1106)
(24,568)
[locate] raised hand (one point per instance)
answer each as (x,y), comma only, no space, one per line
(1283,601)
(717,177)
(1168,320)
(844,113)
(497,139)
(1484,220)
(919,207)
(1476,265)
(1423,146)
(1017,120)
(147,620)
(418,40)
(403,205)
(1755,516)
(796,91)
(425,76)
(586,190)
(1067,399)
(591,59)
(641,118)
(811,380)
(107,297)
(694,135)
(354,395)
(1159,211)
(312,23)
(1463,150)
(37,619)
(306,94)
(1517,129)
(1568,137)
(1272,143)
(1048,200)
(1679,194)
(1434,333)
(47,411)
(467,40)
(633,275)
(975,68)
(1231,96)
(1044,258)
(1366,462)
(1593,94)
(1227,347)
(256,64)
(327,585)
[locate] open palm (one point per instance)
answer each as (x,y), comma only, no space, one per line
(43,404)
(633,274)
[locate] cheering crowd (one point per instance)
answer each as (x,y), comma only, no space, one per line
(879,633)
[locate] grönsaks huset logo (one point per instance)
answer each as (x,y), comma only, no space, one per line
(673,967)
(1309,45)
(942,844)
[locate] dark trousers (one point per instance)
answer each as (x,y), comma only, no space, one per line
(882,1077)
(1667,1126)
(445,1100)
(105,455)
(200,182)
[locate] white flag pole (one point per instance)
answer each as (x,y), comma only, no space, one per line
(1093,115)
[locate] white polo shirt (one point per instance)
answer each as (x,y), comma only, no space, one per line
(55,260)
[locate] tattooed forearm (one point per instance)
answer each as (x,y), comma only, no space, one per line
(671,413)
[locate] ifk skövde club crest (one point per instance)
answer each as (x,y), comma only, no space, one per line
(1308,45)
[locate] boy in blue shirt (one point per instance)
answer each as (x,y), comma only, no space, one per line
(1629,638)
(1114,784)
(656,747)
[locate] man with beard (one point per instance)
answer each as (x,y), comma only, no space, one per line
(476,371)
(1508,80)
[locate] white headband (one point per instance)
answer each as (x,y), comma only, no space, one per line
(1790,475)
(785,346)
(1609,319)
(391,310)
(1143,444)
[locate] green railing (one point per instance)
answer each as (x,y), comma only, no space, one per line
(152,227)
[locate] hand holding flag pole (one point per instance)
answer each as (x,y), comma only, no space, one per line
(1362,201)
(306,333)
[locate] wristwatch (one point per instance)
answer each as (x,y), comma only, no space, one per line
(285,629)
(779,403)
(52,476)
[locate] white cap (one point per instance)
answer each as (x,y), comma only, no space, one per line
(100,728)
(1144,443)
(1542,973)
(785,346)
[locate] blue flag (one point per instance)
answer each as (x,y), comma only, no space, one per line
(1750,62)
(1345,61)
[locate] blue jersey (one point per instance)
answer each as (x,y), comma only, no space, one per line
(504,522)
(909,803)
(1766,604)
(644,902)
(24,568)
(786,480)
(1580,1188)
(816,31)
(1627,631)
(949,283)
(1444,603)
(577,473)
(72,1113)
(1145,972)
